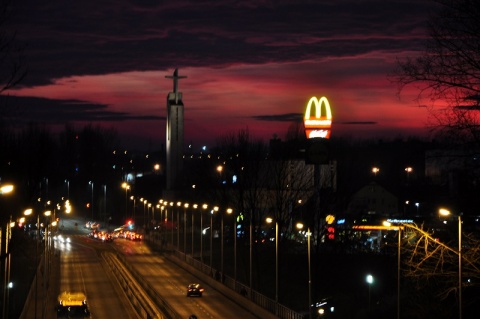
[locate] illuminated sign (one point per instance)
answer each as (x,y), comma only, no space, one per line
(400,221)
(375,227)
(319,126)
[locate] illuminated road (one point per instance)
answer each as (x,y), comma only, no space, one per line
(171,281)
(81,270)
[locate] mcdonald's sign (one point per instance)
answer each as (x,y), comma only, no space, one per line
(319,126)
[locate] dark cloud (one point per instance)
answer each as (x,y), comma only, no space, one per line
(48,111)
(289,117)
(65,38)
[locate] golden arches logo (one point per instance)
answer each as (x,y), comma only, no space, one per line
(319,126)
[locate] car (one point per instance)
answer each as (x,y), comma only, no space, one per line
(194,290)
(95,225)
(72,305)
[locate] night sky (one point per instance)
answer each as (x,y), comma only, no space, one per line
(249,65)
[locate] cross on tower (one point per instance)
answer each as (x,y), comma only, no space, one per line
(175,78)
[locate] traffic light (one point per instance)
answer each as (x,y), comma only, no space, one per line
(330,232)
(330,227)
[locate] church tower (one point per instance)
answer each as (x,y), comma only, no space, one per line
(174,134)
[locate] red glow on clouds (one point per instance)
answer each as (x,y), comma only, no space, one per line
(224,101)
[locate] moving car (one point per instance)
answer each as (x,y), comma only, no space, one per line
(194,290)
(72,305)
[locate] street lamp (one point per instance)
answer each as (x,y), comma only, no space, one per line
(270,220)
(214,210)
(91,204)
(179,204)
(5,189)
(160,215)
(195,206)
(29,212)
(369,280)
(204,206)
(185,206)
(300,226)
(145,202)
(68,188)
(399,229)
(228,211)
(171,223)
(7,263)
(375,170)
(150,205)
(446,212)
(132,198)
(126,187)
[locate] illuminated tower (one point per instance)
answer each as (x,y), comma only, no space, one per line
(174,134)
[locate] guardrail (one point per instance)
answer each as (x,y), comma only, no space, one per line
(141,299)
(236,287)
(166,309)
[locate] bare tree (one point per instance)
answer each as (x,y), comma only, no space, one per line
(427,259)
(290,185)
(447,74)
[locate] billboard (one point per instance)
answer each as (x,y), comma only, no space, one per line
(320,125)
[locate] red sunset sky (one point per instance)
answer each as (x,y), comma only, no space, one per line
(249,64)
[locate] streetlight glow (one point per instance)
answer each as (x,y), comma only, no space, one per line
(6,189)
(444,212)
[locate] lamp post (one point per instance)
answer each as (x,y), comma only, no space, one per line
(235,248)
(369,280)
(145,202)
(91,204)
(105,201)
(29,212)
(185,206)
(300,226)
(270,220)
(399,229)
(204,206)
(150,205)
(126,187)
(408,170)
(68,188)
(171,223)
(228,211)
(7,262)
(214,210)
(446,212)
(195,206)
(179,204)
(6,189)
(132,198)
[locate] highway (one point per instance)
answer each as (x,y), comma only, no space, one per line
(82,268)
(171,281)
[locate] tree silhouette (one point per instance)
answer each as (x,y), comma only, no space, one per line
(428,260)
(447,74)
